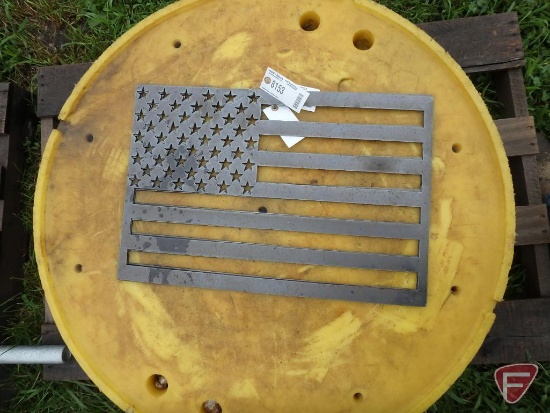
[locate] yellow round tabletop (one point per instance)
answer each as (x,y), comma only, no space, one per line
(168,348)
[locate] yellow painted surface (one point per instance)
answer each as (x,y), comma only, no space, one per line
(256,353)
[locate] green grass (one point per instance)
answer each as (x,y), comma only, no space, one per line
(35,33)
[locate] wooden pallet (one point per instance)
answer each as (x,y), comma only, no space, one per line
(487,44)
(17,123)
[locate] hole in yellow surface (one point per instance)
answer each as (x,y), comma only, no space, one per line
(262,209)
(176,44)
(78,267)
(363,40)
(455,290)
(211,406)
(358,397)
(344,84)
(90,137)
(457,148)
(157,384)
(310,21)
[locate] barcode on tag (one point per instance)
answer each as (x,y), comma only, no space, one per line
(298,100)
(284,90)
(309,89)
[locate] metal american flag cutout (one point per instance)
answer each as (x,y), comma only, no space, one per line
(204,142)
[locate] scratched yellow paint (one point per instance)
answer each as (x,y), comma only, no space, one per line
(233,48)
(256,353)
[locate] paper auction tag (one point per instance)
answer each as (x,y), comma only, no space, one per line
(280,112)
(284,90)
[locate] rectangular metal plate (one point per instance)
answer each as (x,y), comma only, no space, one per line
(206,141)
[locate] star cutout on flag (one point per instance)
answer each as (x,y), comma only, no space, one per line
(142,93)
(247,188)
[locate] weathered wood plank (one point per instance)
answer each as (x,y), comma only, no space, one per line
(1,212)
(521,333)
(496,350)
(4,91)
(511,93)
(535,259)
(59,372)
(20,124)
(480,44)
(4,157)
(17,123)
(536,262)
(526,180)
(48,316)
(47,125)
(532,225)
(518,136)
(55,84)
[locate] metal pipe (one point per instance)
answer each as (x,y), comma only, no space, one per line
(34,354)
